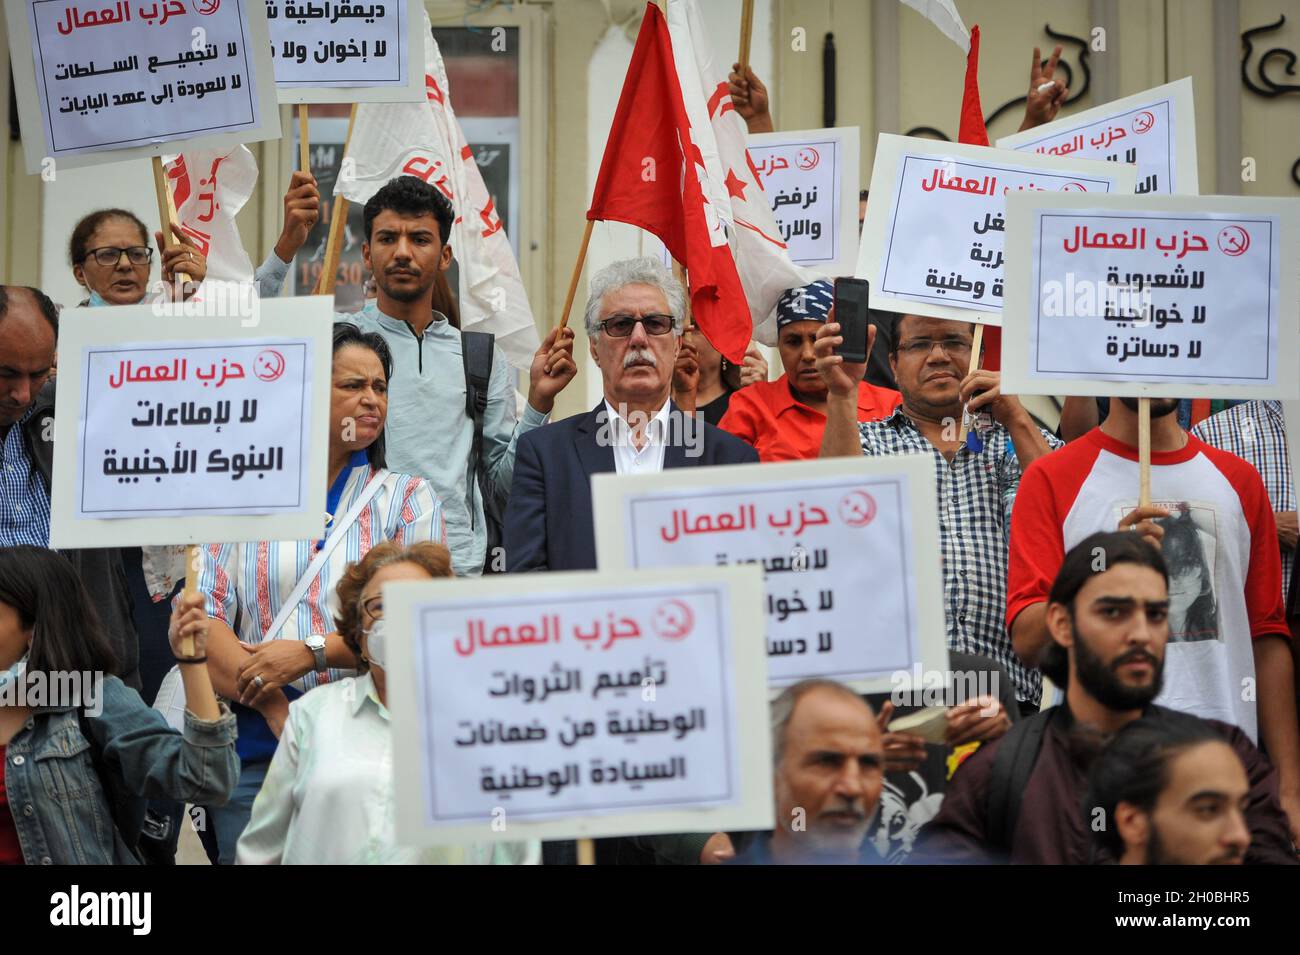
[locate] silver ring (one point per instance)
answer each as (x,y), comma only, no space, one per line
(258,681)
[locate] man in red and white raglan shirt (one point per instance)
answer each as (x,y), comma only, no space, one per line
(1210,515)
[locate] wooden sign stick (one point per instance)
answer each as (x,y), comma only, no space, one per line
(167,213)
(586,852)
(304,142)
(1144,452)
(746,29)
(338,219)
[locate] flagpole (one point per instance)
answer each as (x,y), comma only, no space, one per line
(304,143)
(577,272)
(976,345)
(167,214)
(338,219)
(746,28)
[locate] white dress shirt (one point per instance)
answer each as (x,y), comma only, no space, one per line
(328,795)
(628,459)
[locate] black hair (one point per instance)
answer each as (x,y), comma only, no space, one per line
(1134,768)
(1094,555)
(42,586)
(49,311)
(345,333)
(410,196)
(84,229)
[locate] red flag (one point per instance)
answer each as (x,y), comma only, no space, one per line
(650,178)
(971,130)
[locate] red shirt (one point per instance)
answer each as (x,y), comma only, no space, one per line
(1220,544)
(767,415)
(11,852)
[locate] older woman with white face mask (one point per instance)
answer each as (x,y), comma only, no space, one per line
(328,796)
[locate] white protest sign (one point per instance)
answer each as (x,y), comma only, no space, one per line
(170,431)
(578,704)
(932,243)
(850,548)
(346,53)
(109,81)
(810,178)
(1154,130)
(1152,296)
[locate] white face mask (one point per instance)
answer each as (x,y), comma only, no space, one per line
(375,644)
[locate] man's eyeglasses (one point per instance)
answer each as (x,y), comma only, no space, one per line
(108,256)
(620,326)
(953,347)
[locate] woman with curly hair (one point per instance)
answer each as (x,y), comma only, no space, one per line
(328,796)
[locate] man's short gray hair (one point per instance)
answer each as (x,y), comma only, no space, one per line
(784,705)
(645,270)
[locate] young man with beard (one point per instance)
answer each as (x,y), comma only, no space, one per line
(1021,798)
(1174,794)
(1213,520)
(430,431)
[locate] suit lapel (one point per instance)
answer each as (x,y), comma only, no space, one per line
(597,456)
(682,434)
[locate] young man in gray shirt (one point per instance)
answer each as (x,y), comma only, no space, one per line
(429,431)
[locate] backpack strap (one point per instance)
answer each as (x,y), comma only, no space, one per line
(1012,767)
(476,350)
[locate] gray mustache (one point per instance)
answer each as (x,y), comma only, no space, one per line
(640,356)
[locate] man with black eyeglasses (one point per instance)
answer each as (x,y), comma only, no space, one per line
(977,480)
(634,325)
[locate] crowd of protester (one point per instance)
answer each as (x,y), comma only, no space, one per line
(1143,704)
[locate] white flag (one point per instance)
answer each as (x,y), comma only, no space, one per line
(209,188)
(943,14)
(732,186)
(425,140)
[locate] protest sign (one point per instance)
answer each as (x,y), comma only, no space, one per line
(127,80)
(1152,296)
(850,548)
(932,243)
(1154,130)
(810,178)
(170,431)
(578,704)
(346,53)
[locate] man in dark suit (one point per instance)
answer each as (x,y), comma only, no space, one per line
(634,324)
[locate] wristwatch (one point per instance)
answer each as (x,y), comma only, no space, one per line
(316,644)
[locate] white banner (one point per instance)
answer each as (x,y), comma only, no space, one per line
(209,189)
(849,548)
(118,82)
(562,705)
(170,431)
(932,243)
(1152,296)
(344,53)
(425,140)
(810,178)
(1155,130)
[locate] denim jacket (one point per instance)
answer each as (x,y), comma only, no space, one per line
(57,800)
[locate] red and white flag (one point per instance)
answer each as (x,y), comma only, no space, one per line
(209,188)
(653,176)
(732,183)
(426,141)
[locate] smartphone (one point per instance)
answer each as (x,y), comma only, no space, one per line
(851,314)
